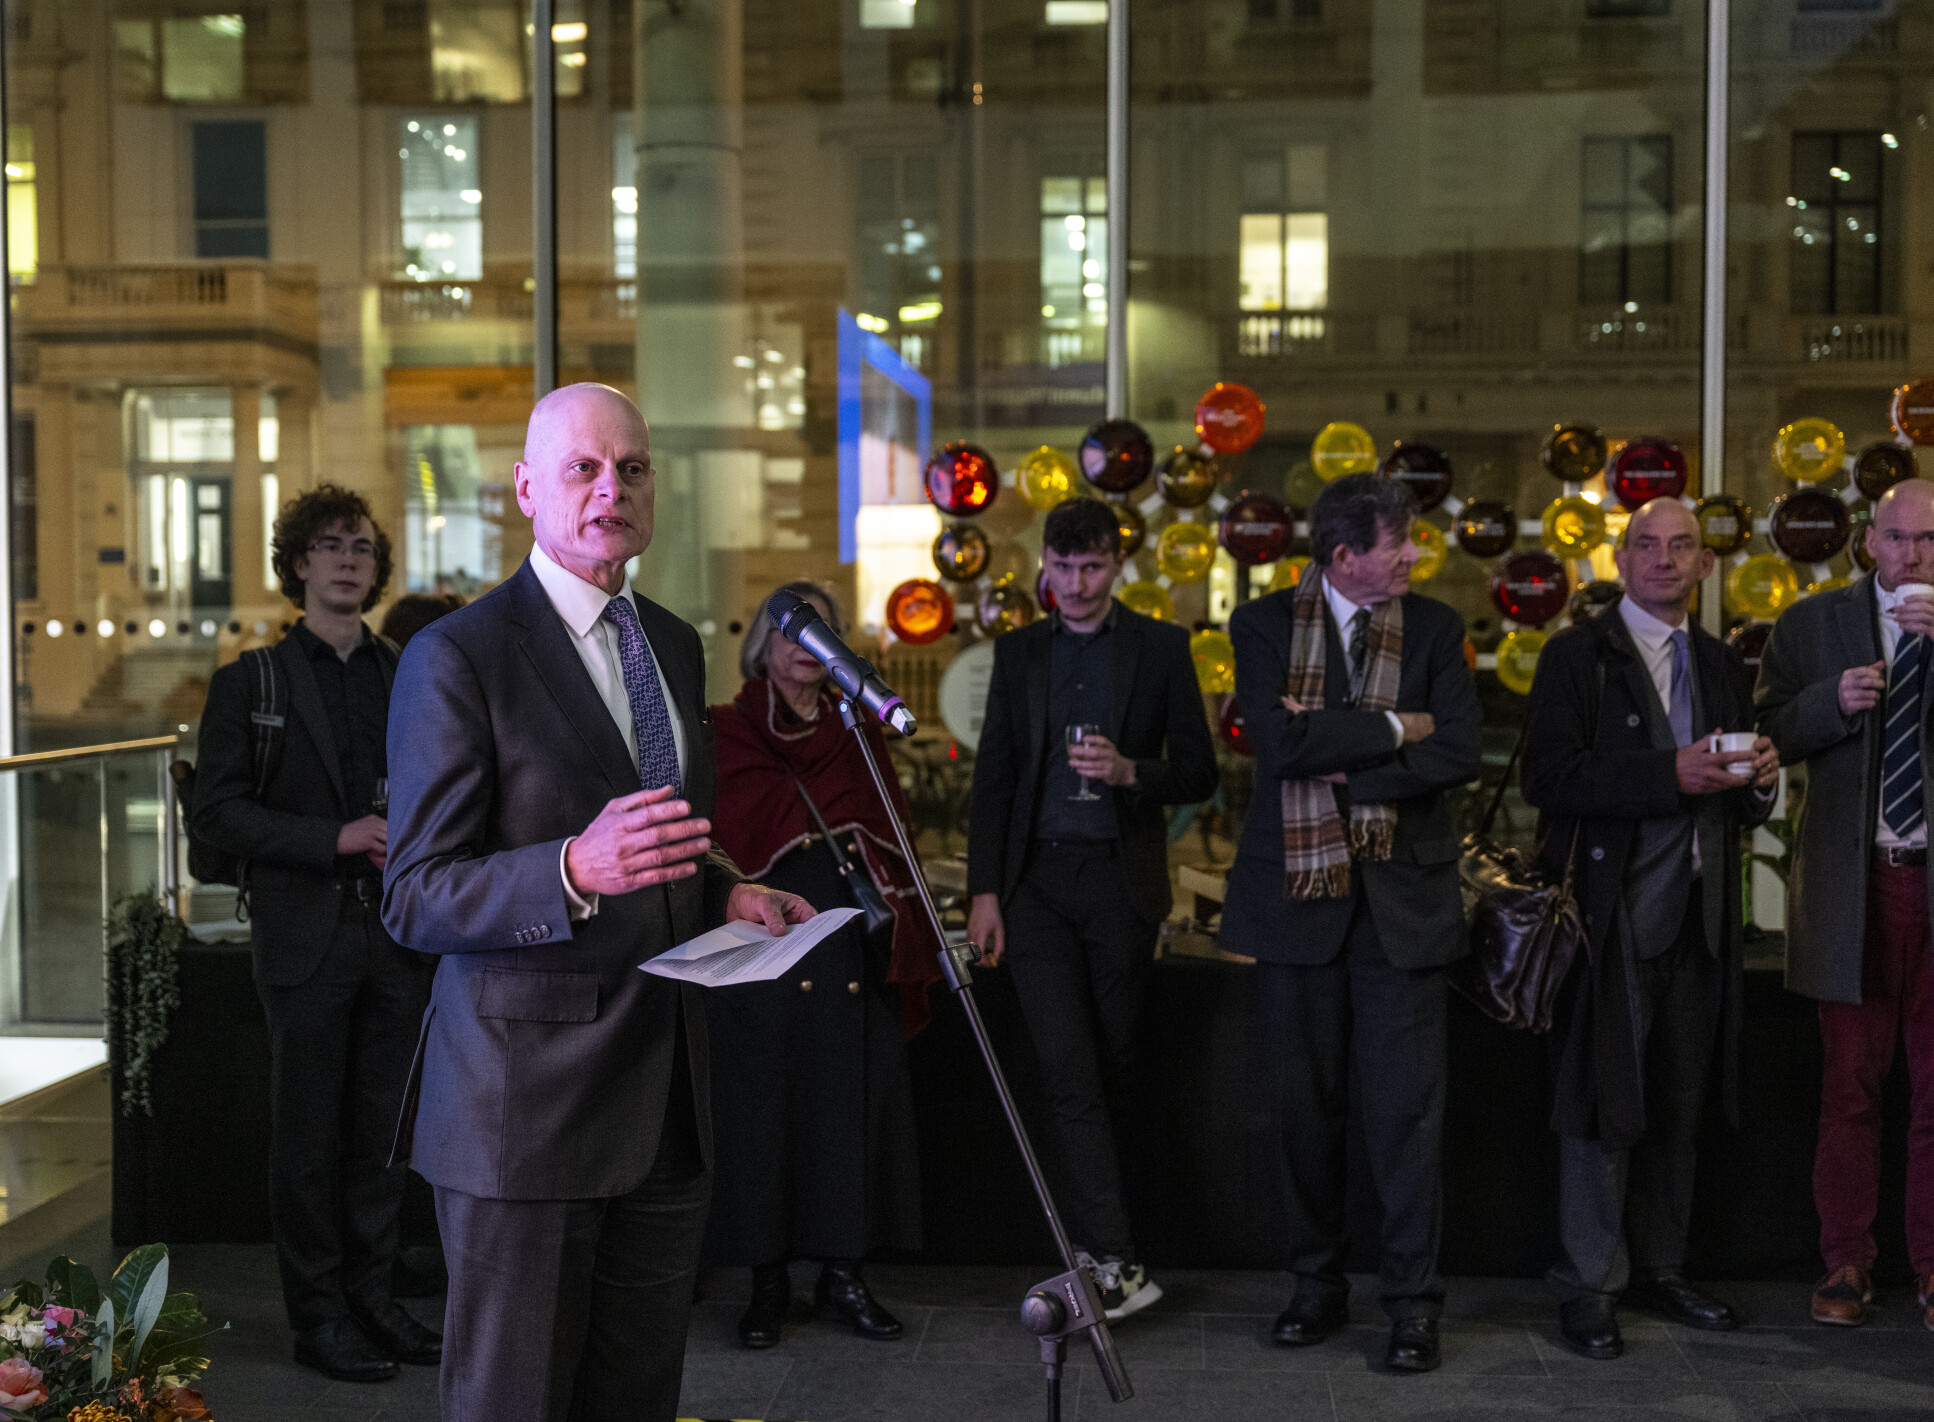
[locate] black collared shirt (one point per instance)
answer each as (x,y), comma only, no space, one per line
(1081,690)
(357,701)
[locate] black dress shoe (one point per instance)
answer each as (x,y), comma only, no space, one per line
(1671,1295)
(337,1349)
(397,1335)
(843,1293)
(1590,1326)
(1309,1320)
(1413,1346)
(765,1316)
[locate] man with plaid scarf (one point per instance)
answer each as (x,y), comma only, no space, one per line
(1363,713)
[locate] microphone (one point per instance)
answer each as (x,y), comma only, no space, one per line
(799,622)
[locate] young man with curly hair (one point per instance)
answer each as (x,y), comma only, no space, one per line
(344,1001)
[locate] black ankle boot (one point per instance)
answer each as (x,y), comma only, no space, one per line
(765,1316)
(843,1293)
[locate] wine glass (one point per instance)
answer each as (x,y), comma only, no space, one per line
(379,804)
(1077,733)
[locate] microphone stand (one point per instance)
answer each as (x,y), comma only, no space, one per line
(1069,1302)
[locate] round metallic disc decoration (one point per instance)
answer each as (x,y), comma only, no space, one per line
(1150,599)
(1425,467)
(1134,528)
(1187,478)
(1289,573)
(1117,456)
(1530,588)
(1574,454)
(1185,552)
(960,553)
(1485,528)
(1647,469)
(1912,411)
(1342,448)
(1725,523)
(1045,477)
(1594,597)
(1573,526)
(1229,418)
(1256,528)
(1009,561)
(1518,659)
(1762,587)
(1809,449)
(1808,525)
(1003,606)
(1826,585)
(920,611)
(1215,662)
(1432,549)
(962,479)
(1857,541)
(1231,728)
(1879,467)
(1749,640)
(1043,594)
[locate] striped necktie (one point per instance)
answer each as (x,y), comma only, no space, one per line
(1900,761)
(651,721)
(1359,652)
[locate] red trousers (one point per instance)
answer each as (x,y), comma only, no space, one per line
(1897,1001)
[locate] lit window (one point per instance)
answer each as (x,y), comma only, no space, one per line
(442,221)
(624,202)
(1074,267)
(887,14)
(201,58)
(1077,12)
(23,226)
(1283,239)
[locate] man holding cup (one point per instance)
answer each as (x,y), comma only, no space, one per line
(1842,687)
(1639,759)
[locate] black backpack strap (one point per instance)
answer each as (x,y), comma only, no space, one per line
(268,716)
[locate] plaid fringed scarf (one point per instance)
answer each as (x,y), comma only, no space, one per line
(1317,849)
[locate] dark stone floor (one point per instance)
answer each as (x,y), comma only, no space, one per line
(1201,1355)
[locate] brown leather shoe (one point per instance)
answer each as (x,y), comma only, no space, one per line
(1842,1297)
(1926,1296)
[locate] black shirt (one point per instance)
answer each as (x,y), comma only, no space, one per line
(1081,690)
(354,695)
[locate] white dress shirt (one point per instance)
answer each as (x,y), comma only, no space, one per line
(1889,644)
(581,607)
(1345,611)
(1654,641)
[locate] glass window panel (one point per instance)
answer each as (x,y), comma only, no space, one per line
(231,200)
(23,206)
(624,203)
(1077,12)
(477,51)
(201,58)
(1306,261)
(886,14)
(442,234)
(1262,182)
(1260,255)
(1308,176)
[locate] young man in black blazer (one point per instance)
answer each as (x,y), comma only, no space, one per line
(344,1001)
(1068,847)
(1362,712)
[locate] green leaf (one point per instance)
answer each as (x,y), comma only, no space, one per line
(72,1285)
(180,1314)
(147,1308)
(25,1292)
(104,1344)
(133,1275)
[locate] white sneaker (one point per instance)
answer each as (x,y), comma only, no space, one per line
(1125,1288)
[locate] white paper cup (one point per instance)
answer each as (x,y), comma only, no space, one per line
(1915,589)
(1736,741)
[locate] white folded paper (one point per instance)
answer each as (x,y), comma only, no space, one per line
(745,952)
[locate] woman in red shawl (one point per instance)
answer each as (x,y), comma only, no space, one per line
(811,1101)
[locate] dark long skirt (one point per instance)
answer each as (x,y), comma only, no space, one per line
(812,1106)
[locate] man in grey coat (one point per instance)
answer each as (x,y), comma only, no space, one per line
(551,770)
(1843,688)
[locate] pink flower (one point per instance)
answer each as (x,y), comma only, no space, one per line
(20,1385)
(59,1321)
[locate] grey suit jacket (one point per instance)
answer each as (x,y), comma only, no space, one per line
(546,1055)
(1799,708)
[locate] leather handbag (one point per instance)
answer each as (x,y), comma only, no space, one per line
(1526,932)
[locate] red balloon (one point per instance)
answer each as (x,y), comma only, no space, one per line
(1256,528)
(961,479)
(1647,469)
(1231,728)
(1229,418)
(1044,594)
(1116,455)
(1530,588)
(920,611)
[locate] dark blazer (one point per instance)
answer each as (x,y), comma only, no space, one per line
(1157,722)
(1799,708)
(288,838)
(1413,895)
(546,1055)
(1592,767)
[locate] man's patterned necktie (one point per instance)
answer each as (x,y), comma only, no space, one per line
(651,721)
(1900,758)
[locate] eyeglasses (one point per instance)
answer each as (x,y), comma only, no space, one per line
(362,550)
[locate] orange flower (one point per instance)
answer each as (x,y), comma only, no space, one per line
(172,1403)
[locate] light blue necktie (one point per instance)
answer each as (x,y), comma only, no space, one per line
(651,722)
(1680,712)
(1900,761)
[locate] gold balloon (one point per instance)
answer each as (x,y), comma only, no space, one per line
(1762,587)
(1149,599)
(1185,551)
(1289,572)
(1045,477)
(1429,538)
(1342,448)
(1825,585)
(1187,479)
(1573,526)
(1215,662)
(1003,607)
(1134,528)
(1008,561)
(1518,659)
(1809,449)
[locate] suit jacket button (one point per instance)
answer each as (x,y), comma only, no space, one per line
(1632,720)
(852,987)
(805,984)
(1598,851)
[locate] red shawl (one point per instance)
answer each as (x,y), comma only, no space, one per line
(760,816)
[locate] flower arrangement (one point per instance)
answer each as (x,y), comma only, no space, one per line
(70,1351)
(143,990)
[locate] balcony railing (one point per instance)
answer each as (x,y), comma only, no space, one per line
(1849,339)
(226,295)
(580,303)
